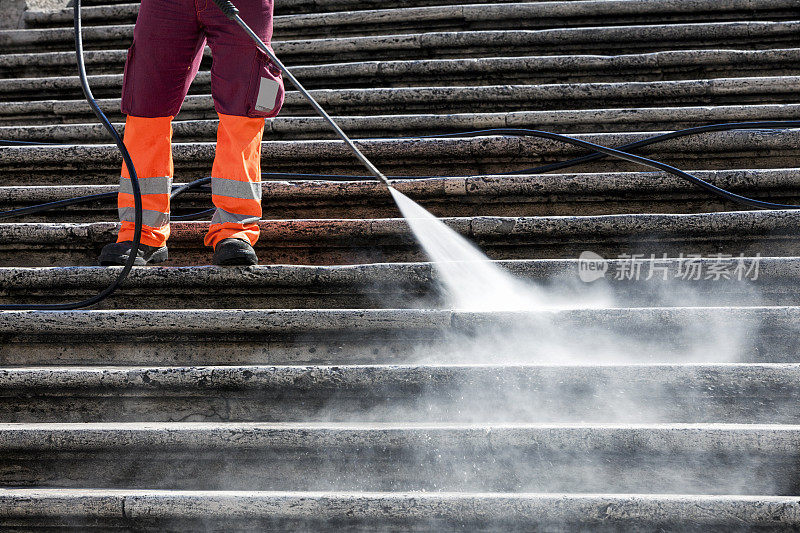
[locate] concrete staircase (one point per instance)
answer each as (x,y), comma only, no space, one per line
(331,388)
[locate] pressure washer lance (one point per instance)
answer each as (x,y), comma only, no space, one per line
(230,11)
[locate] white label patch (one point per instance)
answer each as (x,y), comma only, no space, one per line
(267,94)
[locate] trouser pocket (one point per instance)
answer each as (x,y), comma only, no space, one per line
(266,91)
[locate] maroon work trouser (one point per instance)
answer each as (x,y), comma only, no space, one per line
(167,48)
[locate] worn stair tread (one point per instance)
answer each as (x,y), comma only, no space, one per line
(166,321)
(460,12)
(710,393)
(427,156)
(455,121)
(769,225)
(103,379)
(670,438)
(654,66)
(527,187)
(474,43)
(562,457)
(701,100)
(627,282)
(367,278)
(360,241)
(250,509)
(289,320)
(123,10)
(352,336)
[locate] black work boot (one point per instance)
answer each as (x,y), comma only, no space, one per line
(232,252)
(117,253)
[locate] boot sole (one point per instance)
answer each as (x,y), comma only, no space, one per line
(158,256)
(238,260)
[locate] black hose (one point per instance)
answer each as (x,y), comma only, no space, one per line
(33,209)
(5,142)
(188,186)
(658,165)
(753,125)
(137,193)
(40,208)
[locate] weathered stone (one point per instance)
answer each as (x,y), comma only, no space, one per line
(404,457)
(673,64)
(344,241)
(402,285)
(531,14)
(12,14)
(621,39)
(314,336)
(357,511)
(576,194)
(411,156)
(419,393)
(297,378)
(630,119)
(123,11)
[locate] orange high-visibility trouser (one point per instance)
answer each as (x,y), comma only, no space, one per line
(235,184)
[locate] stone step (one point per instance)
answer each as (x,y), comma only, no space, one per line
(641,281)
(398,336)
(100,164)
(26,50)
(421,123)
(94,12)
(461,16)
(654,67)
(673,102)
(564,104)
(358,241)
(518,393)
(273,286)
(358,511)
(248,337)
(619,458)
(447,17)
(285,197)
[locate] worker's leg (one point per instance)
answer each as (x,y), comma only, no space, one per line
(162,62)
(148,141)
(246,88)
(236,180)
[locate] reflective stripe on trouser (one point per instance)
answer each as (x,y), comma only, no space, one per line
(148,141)
(236,180)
